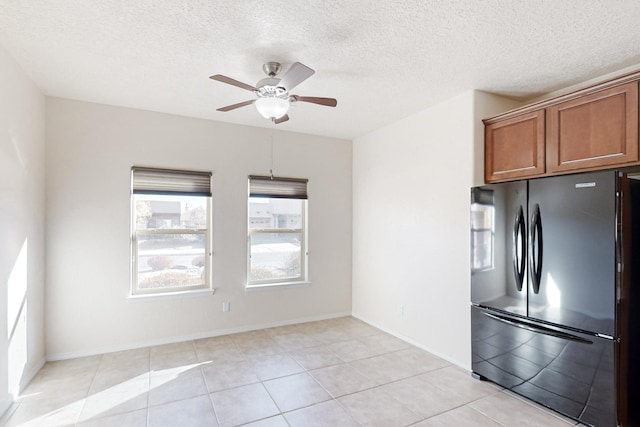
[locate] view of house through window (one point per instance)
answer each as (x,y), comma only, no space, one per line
(170,240)
(277,237)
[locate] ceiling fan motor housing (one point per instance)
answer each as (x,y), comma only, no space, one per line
(268,87)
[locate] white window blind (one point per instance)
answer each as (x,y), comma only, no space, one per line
(274,187)
(170,182)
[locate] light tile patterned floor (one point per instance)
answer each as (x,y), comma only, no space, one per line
(338,372)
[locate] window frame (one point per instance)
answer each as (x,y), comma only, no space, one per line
(303,231)
(207,286)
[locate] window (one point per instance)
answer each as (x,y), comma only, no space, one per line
(277,224)
(482,229)
(170,230)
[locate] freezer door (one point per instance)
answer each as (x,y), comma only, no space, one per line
(572,232)
(499,246)
(569,372)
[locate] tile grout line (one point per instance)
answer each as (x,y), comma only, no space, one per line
(84,401)
(206,384)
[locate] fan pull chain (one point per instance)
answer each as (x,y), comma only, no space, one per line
(271,170)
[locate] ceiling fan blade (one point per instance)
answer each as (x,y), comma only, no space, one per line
(328,102)
(233,82)
(281,119)
(238,105)
(296,74)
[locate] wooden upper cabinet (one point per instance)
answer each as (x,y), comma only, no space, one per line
(515,148)
(593,131)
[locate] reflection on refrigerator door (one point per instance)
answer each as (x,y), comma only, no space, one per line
(498,246)
(570,372)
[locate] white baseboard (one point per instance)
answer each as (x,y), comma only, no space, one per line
(413,342)
(171,340)
(6,402)
(29,373)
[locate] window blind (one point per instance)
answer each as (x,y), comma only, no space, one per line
(169,181)
(283,188)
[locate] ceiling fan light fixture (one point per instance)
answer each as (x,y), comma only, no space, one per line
(272,107)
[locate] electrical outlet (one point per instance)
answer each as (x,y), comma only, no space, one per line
(401,309)
(226,307)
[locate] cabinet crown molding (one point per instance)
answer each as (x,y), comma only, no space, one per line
(540,105)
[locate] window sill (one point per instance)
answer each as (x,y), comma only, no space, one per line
(171,295)
(262,286)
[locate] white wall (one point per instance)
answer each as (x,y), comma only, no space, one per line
(22,160)
(90,150)
(411,184)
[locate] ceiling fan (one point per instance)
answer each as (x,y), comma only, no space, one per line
(273,94)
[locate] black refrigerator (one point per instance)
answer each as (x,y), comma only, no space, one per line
(553,280)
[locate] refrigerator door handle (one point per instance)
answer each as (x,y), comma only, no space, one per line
(519,258)
(538,329)
(535,249)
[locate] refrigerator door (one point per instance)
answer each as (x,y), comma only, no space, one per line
(571,255)
(628,315)
(570,372)
(499,246)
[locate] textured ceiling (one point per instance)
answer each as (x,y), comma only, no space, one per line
(382,60)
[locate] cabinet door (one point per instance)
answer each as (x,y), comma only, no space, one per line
(594,131)
(514,148)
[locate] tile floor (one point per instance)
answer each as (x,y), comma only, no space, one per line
(338,372)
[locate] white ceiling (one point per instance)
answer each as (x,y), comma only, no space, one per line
(382,60)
